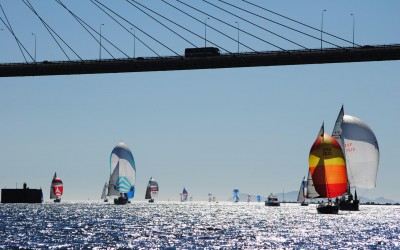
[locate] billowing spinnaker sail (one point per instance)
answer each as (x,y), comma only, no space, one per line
(361,151)
(185,194)
(57,188)
(123,171)
(152,189)
(236,194)
(327,167)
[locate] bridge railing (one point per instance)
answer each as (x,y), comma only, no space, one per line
(242,54)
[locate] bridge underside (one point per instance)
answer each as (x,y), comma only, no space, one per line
(294,57)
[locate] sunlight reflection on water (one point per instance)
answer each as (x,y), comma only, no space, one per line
(195,225)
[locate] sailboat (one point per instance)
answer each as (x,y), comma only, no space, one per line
(235,195)
(303,192)
(104,193)
(328,171)
(361,151)
(56,188)
(122,174)
(151,190)
(184,195)
(307,190)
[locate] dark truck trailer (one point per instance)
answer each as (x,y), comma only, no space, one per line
(24,195)
(202,52)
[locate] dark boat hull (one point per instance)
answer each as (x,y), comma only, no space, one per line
(151,200)
(121,201)
(327,209)
(349,206)
(304,204)
(57,200)
(272,204)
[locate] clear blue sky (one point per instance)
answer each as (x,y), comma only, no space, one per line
(207,130)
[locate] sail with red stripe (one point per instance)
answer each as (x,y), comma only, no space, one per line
(56,188)
(327,166)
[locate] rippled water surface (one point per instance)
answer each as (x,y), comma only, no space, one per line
(195,225)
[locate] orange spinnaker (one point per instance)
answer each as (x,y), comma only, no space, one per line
(328,167)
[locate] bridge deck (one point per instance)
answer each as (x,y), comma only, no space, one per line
(293,57)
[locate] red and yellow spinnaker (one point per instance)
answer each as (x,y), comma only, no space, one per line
(328,167)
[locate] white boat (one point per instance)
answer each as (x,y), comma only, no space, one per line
(272,201)
(56,188)
(361,150)
(122,174)
(151,190)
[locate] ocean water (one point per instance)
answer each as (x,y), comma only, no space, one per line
(193,225)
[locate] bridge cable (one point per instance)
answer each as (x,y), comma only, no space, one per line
(50,30)
(160,21)
(308,26)
(83,23)
(208,26)
(9,27)
(276,46)
(133,26)
(134,35)
(258,26)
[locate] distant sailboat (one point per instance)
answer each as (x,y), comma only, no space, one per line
(104,193)
(328,170)
(303,192)
(56,188)
(209,197)
(151,190)
(122,174)
(361,150)
(307,190)
(184,195)
(236,195)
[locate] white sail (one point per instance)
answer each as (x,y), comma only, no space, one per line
(104,193)
(301,196)
(311,192)
(361,152)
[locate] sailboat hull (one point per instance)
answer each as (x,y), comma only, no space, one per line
(304,204)
(151,200)
(57,200)
(120,201)
(327,208)
(349,206)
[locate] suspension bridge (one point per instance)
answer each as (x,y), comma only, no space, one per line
(340,50)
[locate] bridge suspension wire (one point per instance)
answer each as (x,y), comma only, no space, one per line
(230,25)
(141,30)
(9,27)
(256,25)
(84,24)
(293,20)
(50,30)
(160,21)
(208,26)
(81,22)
